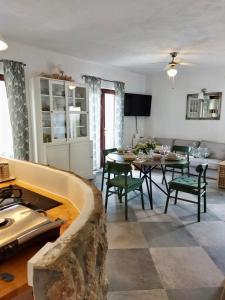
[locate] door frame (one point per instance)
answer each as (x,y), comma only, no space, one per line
(102,120)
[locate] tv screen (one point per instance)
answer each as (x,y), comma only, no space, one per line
(137,105)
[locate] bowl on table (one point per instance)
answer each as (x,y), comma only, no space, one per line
(172,156)
(156,156)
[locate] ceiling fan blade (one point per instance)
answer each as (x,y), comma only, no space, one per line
(158,62)
(185,63)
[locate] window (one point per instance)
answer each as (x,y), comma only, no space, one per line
(6,143)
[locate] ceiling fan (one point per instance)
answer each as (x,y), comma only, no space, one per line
(171,66)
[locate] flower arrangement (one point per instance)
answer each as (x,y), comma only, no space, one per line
(145,147)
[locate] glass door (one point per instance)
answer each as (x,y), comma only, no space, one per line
(59,126)
(46,110)
(77,112)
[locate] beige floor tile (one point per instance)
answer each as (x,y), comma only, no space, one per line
(186,268)
(125,235)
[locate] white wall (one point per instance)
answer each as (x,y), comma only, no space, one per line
(169,104)
(39,60)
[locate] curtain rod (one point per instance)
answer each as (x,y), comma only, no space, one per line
(103,79)
(2,60)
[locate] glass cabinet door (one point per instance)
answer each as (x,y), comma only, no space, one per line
(45,110)
(59,126)
(80,99)
(78,125)
(77,112)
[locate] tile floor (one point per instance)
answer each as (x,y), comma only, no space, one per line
(154,256)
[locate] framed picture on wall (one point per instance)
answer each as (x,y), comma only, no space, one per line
(208,108)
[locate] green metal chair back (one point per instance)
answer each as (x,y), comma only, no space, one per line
(122,183)
(118,168)
(201,170)
(105,152)
(182,150)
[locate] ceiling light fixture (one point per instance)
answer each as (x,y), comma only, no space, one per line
(3,44)
(172,71)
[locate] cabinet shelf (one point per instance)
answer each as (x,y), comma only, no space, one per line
(57,96)
(45,95)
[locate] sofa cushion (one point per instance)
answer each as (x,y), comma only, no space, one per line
(164,141)
(212,162)
(216,150)
(180,142)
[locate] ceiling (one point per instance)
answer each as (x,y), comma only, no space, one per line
(136,35)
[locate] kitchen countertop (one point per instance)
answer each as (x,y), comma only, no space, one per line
(17,265)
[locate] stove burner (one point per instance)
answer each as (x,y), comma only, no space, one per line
(5,222)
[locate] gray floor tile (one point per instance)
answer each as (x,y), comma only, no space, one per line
(218,210)
(138,295)
(217,254)
(131,269)
(187,212)
(181,268)
(215,195)
(195,294)
(153,215)
(116,211)
(125,235)
(167,234)
(208,233)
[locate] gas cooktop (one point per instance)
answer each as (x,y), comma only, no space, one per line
(20,224)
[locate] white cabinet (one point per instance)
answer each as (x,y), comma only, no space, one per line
(58,156)
(60,125)
(79,164)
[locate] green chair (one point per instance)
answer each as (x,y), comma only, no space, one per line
(122,184)
(184,150)
(195,185)
(104,168)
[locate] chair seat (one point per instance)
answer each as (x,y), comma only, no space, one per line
(119,181)
(186,182)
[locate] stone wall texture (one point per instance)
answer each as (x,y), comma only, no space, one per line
(78,269)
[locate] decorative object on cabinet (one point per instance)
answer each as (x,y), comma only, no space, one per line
(58,75)
(62,120)
(204,106)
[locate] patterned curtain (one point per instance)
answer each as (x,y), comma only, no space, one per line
(94,85)
(119,112)
(15,88)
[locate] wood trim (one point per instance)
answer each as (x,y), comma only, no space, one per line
(108,91)
(102,125)
(2,77)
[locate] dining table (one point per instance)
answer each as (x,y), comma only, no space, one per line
(146,164)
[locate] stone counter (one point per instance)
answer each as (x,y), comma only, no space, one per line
(73,267)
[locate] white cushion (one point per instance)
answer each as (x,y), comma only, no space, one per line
(212,163)
(216,150)
(180,142)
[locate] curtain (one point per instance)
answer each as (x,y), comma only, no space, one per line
(119,112)
(94,87)
(14,76)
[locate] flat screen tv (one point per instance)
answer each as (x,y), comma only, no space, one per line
(137,105)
